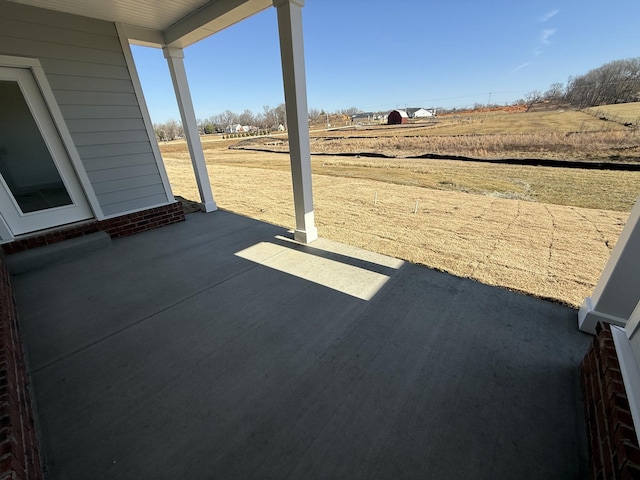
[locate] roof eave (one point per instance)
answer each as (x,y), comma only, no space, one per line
(199,24)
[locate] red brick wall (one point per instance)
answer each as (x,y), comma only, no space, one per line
(19,457)
(613,446)
(116,227)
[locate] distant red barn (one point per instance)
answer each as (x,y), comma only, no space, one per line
(397,117)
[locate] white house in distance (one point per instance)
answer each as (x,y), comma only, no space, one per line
(419,112)
(424,113)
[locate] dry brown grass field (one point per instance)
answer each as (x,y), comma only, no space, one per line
(622,113)
(564,121)
(545,231)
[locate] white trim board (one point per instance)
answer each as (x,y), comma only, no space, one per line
(76,207)
(59,123)
(146,117)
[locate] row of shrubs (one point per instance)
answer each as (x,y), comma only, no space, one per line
(246,134)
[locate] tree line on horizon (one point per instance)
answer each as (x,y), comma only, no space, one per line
(268,120)
(614,82)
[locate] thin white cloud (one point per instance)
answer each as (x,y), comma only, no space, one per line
(546,35)
(548,16)
(544,40)
(521,66)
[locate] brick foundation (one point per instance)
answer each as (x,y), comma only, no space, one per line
(613,446)
(116,227)
(19,457)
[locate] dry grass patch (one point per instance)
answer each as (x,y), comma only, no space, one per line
(621,145)
(625,113)
(609,190)
(546,250)
(562,121)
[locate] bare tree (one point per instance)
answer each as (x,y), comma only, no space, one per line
(161,134)
(246,118)
(555,92)
(200,123)
(173,129)
(350,111)
(532,97)
(314,114)
(169,130)
(269,119)
(281,115)
(613,82)
(226,118)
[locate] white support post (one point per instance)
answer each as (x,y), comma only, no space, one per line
(175,58)
(618,290)
(295,96)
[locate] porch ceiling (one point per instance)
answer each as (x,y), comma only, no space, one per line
(170,22)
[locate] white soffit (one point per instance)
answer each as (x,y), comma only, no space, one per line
(152,14)
(181,22)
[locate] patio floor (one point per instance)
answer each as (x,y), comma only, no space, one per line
(218,349)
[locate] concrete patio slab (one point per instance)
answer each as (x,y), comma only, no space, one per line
(218,348)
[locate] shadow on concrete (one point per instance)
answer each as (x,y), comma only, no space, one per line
(169,355)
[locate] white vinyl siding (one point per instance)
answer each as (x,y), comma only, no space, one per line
(94,99)
(124,173)
(80,84)
(113,209)
(82,112)
(82,70)
(140,159)
(87,71)
(85,125)
(114,150)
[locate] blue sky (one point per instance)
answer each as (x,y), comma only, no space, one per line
(378,55)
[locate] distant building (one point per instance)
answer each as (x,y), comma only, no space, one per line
(424,113)
(234,128)
(419,112)
(397,117)
(362,117)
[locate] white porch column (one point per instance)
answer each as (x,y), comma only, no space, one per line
(295,97)
(174,58)
(618,291)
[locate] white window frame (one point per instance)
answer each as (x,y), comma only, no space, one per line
(59,123)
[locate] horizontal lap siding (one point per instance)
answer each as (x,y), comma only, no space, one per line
(103,152)
(138,160)
(123,174)
(87,125)
(79,112)
(86,69)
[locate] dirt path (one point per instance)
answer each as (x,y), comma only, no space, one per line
(545,250)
